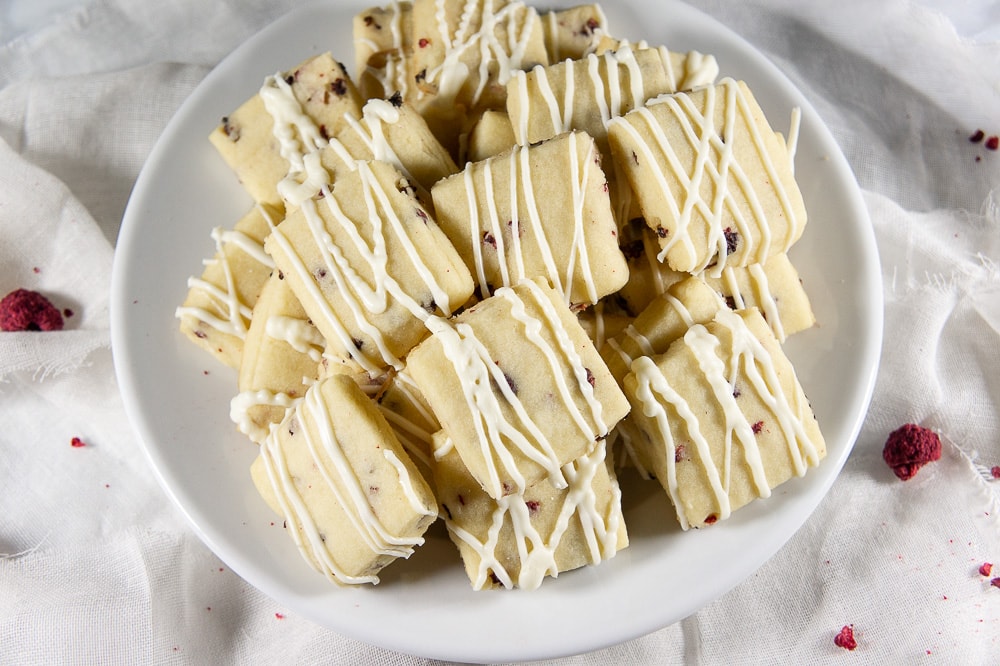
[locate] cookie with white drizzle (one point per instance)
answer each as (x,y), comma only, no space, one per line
(519,539)
(510,219)
(369,264)
(292,115)
(464,52)
(586,94)
(382,48)
(350,496)
(280,360)
(713,181)
(215,314)
(518,386)
(574,32)
(723,417)
(388,131)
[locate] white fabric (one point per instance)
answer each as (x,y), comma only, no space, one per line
(97,566)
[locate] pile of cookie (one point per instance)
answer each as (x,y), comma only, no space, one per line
(603,284)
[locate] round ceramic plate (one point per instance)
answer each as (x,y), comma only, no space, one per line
(425,605)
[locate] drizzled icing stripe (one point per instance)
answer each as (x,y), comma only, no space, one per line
(452,73)
(537,551)
(749,356)
(295,130)
(243,402)
(341,481)
(298,334)
(701,133)
(511,261)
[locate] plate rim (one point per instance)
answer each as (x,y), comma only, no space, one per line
(123,353)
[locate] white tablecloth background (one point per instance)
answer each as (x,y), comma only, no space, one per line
(97,566)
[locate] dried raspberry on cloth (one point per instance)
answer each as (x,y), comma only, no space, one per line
(25,310)
(909,448)
(845,638)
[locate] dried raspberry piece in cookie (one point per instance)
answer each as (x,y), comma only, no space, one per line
(26,310)
(909,448)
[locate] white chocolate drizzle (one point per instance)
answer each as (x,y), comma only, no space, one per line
(298,334)
(243,402)
(536,552)
(748,356)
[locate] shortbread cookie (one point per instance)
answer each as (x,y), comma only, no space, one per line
(381,47)
(393,132)
(713,182)
(369,264)
(510,219)
(573,33)
(774,288)
(351,498)
(723,416)
(281,357)
(294,114)
(518,386)
(491,135)
(215,314)
(464,52)
(518,540)
(586,94)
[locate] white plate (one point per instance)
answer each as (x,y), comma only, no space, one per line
(425,606)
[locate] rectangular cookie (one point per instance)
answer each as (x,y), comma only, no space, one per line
(369,264)
(350,496)
(586,94)
(713,182)
(723,416)
(518,540)
(215,314)
(518,386)
(510,219)
(281,357)
(294,113)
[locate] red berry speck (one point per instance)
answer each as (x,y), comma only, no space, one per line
(845,638)
(986,569)
(909,448)
(25,310)
(279,616)
(993,142)
(977,136)
(995,471)
(77,443)
(995,582)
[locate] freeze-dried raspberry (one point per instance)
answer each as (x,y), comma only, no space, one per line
(909,448)
(25,310)
(845,638)
(986,569)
